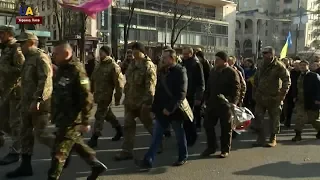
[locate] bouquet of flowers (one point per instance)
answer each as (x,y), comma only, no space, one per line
(241,116)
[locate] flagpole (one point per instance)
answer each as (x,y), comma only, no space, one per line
(298,27)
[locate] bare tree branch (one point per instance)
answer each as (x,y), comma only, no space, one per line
(177,17)
(182,28)
(127,24)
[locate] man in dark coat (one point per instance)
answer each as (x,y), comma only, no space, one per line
(196,86)
(223,80)
(171,89)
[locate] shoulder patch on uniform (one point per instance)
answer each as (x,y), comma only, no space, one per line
(84,81)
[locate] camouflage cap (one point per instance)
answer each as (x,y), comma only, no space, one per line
(7,28)
(27,36)
(268,49)
(198,50)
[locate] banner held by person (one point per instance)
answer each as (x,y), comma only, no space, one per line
(89,7)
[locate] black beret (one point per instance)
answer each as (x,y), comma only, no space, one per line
(106,49)
(222,55)
(138,46)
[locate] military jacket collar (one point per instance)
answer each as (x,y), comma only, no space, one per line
(71,61)
(10,42)
(107,60)
(139,62)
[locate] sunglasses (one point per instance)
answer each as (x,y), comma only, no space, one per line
(265,52)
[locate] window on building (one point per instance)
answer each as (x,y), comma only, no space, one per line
(44,20)
(204,39)
(146,20)
(49,20)
(245,4)
(195,26)
(54,19)
(43,5)
(210,13)
(287,1)
(211,41)
(48,4)
(161,22)
(55,4)
(266,34)
(55,35)
(133,34)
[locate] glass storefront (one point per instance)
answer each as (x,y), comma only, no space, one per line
(9,20)
(197,33)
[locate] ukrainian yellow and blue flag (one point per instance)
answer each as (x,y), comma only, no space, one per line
(287,45)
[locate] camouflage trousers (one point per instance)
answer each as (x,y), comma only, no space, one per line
(303,116)
(104,113)
(129,130)
(35,126)
(67,140)
(273,122)
(10,123)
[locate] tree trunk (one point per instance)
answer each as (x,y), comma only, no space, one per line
(83,37)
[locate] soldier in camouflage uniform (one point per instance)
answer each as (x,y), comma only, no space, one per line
(139,91)
(306,96)
(232,62)
(11,61)
(125,64)
(107,77)
(36,88)
(271,83)
(71,105)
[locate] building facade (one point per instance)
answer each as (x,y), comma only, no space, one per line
(270,21)
(211,28)
(8,13)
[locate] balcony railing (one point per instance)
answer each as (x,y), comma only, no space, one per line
(6,6)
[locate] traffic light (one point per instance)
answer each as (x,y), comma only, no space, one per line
(260,45)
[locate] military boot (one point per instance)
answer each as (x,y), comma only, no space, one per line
(123,155)
(2,141)
(119,134)
(10,158)
(261,141)
(208,152)
(297,137)
(93,142)
(318,135)
(97,168)
(25,168)
(272,141)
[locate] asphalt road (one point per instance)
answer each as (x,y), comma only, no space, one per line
(287,161)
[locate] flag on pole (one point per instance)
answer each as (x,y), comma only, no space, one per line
(287,45)
(89,7)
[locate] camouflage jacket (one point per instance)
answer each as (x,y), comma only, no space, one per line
(72,100)
(107,77)
(36,80)
(271,82)
(11,62)
(125,64)
(141,79)
(243,88)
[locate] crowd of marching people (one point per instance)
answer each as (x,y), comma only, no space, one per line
(185,94)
